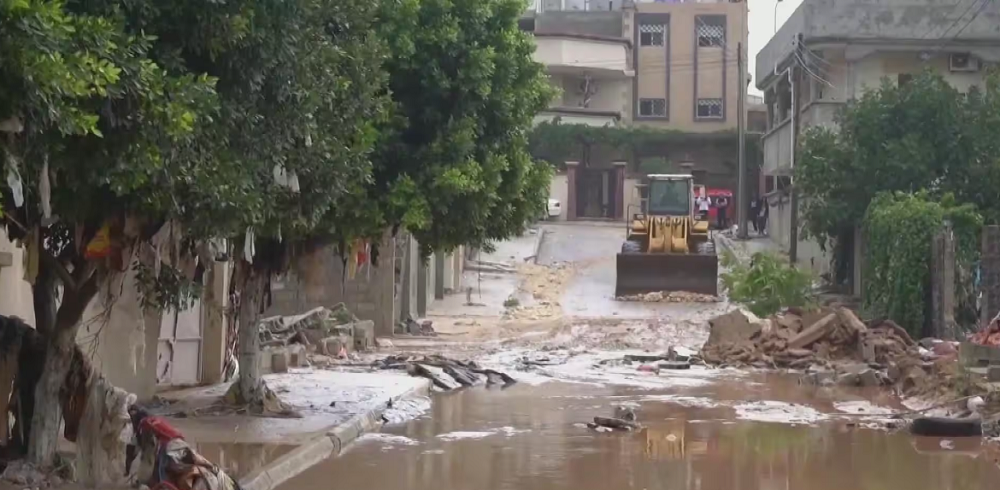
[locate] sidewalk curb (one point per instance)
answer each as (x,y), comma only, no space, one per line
(321,447)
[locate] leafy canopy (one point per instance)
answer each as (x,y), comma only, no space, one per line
(925,135)
(452,164)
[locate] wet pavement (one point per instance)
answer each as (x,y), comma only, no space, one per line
(592,248)
(529,437)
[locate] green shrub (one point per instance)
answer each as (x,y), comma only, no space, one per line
(766,284)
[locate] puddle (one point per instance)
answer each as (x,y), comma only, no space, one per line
(533,438)
(240,459)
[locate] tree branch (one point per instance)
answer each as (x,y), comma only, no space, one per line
(58,268)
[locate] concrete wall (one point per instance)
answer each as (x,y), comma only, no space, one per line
(120,338)
(612,94)
(319,280)
(878,22)
(585,53)
(595,23)
(15,293)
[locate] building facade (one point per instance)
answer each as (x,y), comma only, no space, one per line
(829,53)
(671,66)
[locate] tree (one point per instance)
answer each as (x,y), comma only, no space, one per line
(452,165)
(925,135)
(97,136)
(301,90)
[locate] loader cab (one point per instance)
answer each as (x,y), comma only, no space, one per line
(668,195)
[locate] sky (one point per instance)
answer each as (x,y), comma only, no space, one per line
(762,27)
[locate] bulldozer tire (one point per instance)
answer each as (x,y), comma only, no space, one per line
(631,247)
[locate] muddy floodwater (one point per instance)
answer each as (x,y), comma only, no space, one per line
(530,437)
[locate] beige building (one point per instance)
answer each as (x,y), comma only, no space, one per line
(841,50)
(687,64)
(670,66)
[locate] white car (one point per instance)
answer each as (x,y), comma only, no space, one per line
(555,208)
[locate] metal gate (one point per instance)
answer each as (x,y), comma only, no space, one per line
(178,352)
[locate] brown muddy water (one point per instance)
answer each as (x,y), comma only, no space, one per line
(529,438)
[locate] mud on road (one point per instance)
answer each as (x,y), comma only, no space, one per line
(566,339)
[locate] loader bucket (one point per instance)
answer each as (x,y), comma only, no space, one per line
(640,273)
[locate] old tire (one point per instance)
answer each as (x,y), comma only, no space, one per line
(946,427)
(631,247)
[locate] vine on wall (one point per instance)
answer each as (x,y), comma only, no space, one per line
(557,143)
(899,228)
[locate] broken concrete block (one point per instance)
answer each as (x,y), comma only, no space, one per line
(993,373)
(868,378)
(731,328)
(364,335)
(279,362)
(332,345)
(814,332)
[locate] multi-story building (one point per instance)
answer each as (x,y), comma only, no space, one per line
(670,66)
(840,50)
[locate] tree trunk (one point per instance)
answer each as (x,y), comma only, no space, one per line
(249,387)
(58,355)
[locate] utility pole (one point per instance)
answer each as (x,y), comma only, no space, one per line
(741,193)
(793,235)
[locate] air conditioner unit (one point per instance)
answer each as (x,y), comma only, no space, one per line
(963,62)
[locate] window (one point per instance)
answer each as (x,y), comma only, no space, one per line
(709,108)
(653,107)
(903,79)
(651,34)
(711,31)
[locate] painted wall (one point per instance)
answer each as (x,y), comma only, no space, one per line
(582,53)
(682,72)
(15,293)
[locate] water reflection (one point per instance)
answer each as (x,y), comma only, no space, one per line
(683,448)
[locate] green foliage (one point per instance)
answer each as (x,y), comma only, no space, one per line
(925,135)
(766,284)
(557,143)
(452,165)
(899,228)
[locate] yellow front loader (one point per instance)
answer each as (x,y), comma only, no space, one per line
(667,246)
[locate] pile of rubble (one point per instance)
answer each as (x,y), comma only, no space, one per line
(831,344)
(446,374)
(670,297)
(318,335)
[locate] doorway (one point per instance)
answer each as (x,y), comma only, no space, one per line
(596,193)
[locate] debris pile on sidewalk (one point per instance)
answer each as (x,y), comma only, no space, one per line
(831,344)
(424,328)
(670,297)
(333,332)
(446,374)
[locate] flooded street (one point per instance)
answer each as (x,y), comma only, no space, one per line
(702,428)
(530,437)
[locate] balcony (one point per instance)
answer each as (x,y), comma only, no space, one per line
(578,115)
(599,56)
(778,149)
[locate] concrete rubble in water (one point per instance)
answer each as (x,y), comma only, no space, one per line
(831,344)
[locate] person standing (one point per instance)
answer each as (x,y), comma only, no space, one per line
(720,209)
(703,205)
(754,206)
(762,211)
